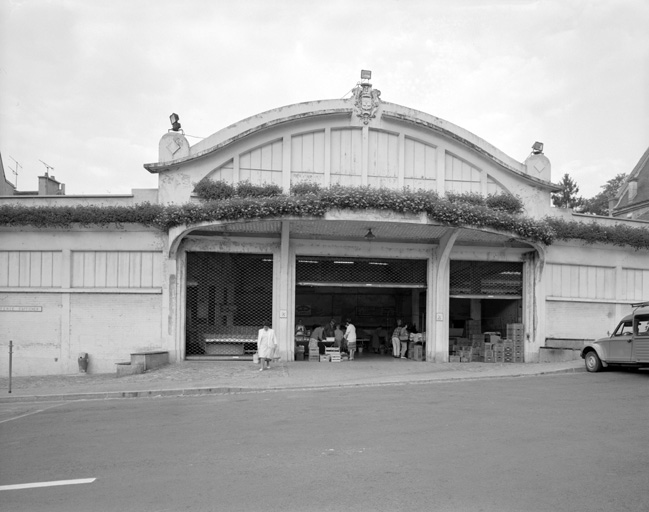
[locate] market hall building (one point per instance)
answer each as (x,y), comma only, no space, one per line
(203,290)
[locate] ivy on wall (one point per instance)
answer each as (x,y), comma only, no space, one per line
(501,212)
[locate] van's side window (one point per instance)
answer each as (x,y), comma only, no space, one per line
(642,325)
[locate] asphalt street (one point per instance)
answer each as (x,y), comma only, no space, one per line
(550,443)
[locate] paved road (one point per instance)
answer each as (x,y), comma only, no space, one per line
(551,443)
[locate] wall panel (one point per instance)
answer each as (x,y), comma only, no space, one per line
(116,269)
(636,284)
(308,157)
(461,177)
(30,269)
(346,156)
(580,281)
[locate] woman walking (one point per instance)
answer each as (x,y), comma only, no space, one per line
(266,345)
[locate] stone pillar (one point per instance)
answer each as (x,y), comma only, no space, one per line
(437,340)
(533,305)
(282,328)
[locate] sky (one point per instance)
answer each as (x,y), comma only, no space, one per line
(87,86)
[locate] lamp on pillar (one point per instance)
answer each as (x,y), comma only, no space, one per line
(175,125)
(537,148)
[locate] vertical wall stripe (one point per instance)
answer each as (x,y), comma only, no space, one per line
(365,154)
(327,157)
(402,161)
(286,164)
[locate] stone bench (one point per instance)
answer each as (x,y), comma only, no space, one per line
(143,361)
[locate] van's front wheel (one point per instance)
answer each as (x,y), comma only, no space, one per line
(593,363)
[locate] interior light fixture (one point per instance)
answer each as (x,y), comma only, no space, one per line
(537,148)
(175,125)
(307,261)
(344,262)
(378,263)
(370,235)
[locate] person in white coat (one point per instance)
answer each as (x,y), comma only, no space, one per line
(266,346)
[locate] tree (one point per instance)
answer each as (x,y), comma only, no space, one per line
(567,196)
(598,205)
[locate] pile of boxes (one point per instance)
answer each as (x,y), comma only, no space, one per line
(489,347)
(333,353)
(415,346)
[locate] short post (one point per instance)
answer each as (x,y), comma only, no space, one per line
(11,346)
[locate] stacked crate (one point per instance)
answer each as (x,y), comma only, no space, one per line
(466,354)
(508,351)
(498,353)
(333,353)
(314,354)
(299,353)
(516,334)
(477,346)
(473,327)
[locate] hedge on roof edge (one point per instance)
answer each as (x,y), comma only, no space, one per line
(501,212)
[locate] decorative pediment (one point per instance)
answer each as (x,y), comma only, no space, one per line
(366,101)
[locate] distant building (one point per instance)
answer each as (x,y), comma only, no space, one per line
(47,186)
(203,290)
(632,200)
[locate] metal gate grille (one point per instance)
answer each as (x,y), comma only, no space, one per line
(229,298)
(482,279)
(336,271)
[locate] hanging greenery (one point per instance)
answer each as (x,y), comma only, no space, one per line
(501,212)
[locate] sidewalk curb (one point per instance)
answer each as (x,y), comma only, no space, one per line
(225,390)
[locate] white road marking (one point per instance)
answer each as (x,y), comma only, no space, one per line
(47,484)
(33,412)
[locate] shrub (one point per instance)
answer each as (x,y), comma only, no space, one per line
(247,189)
(304,188)
(211,190)
(465,197)
(504,202)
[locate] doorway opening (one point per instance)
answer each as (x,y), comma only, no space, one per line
(372,292)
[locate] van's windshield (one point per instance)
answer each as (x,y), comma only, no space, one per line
(624,329)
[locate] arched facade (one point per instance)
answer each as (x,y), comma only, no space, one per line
(352,143)
(195,289)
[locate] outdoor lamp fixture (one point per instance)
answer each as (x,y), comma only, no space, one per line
(537,148)
(175,125)
(366,74)
(370,236)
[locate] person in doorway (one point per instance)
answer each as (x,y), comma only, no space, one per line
(399,331)
(300,330)
(317,335)
(330,329)
(350,338)
(266,345)
(378,338)
(339,335)
(404,337)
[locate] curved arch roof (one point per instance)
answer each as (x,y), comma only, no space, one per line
(386,113)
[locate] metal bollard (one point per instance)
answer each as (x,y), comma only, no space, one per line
(11,346)
(83,362)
